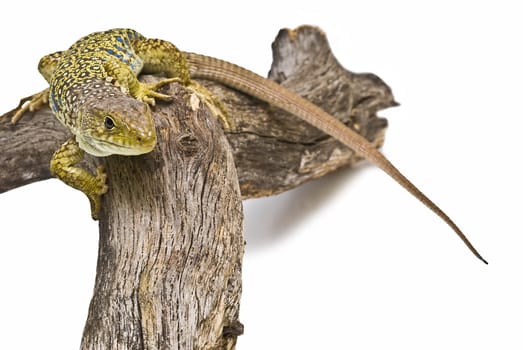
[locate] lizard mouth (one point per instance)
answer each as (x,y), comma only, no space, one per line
(126,149)
(100,148)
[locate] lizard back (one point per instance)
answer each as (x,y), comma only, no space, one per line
(80,71)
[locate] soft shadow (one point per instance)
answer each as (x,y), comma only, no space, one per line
(270,219)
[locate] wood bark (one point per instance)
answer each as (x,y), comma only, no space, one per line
(171,242)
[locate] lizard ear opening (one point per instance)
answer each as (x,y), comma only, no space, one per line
(109,123)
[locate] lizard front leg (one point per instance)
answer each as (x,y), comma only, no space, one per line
(30,104)
(63,167)
(46,67)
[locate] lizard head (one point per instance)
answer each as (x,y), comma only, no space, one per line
(115,124)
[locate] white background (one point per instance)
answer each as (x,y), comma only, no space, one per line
(347,262)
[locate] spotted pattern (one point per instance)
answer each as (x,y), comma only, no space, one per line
(96,79)
(75,70)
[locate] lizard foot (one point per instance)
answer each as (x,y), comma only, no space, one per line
(31,104)
(148,92)
(96,189)
(214,104)
(63,166)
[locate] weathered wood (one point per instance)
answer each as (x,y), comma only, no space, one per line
(274,151)
(297,152)
(171,243)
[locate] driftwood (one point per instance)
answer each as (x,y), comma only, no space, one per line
(171,241)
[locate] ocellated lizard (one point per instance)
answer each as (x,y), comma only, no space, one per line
(104,66)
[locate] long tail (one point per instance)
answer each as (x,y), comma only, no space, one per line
(266,90)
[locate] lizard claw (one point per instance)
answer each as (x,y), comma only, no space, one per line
(213,103)
(99,187)
(31,104)
(148,92)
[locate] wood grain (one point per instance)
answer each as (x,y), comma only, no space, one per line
(171,239)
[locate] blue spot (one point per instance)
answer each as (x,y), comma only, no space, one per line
(124,41)
(112,53)
(54,105)
(119,48)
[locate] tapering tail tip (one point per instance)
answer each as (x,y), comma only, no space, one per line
(481,258)
(476,253)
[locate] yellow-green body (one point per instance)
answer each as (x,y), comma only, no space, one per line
(102,67)
(86,81)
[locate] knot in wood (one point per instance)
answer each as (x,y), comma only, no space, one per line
(189,144)
(233,330)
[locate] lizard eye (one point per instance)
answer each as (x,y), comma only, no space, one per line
(109,123)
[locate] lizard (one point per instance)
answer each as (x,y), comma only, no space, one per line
(104,66)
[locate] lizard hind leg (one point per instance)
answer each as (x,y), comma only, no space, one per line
(161,56)
(63,166)
(213,103)
(127,80)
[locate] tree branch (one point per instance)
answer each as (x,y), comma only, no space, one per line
(304,63)
(171,243)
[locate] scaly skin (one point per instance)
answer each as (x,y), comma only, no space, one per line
(96,73)
(91,67)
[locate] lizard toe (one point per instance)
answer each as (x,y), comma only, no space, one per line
(101,178)
(30,104)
